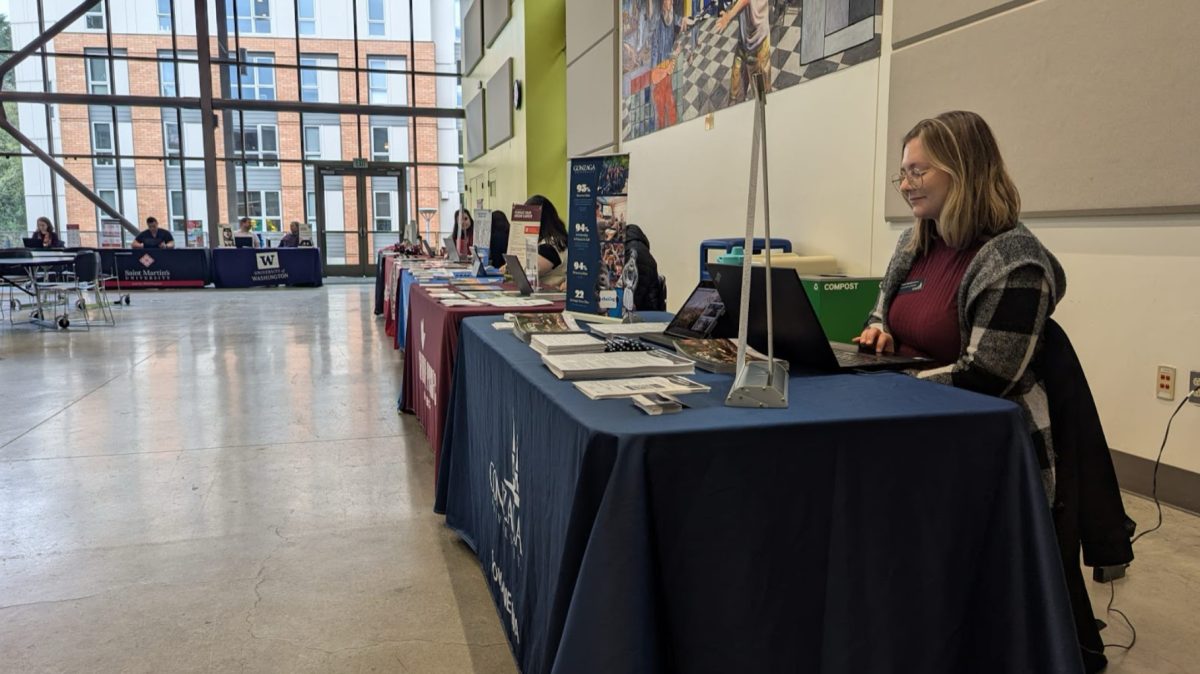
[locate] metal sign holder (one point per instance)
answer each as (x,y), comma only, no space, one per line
(758,384)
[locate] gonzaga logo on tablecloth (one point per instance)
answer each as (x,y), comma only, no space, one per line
(506,505)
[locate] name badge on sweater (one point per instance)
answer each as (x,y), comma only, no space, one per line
(911,286)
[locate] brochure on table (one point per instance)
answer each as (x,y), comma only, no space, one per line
(527,220)
(596,234)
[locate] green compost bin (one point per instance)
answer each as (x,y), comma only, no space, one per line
(842,303)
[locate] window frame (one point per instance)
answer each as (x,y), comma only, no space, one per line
(94,15)
(263,218)
(377,26)
(111,150)
(178,152)
(258,158)
(164,16)
(249,23)
(308,68)
(386,152)
(173,215)
(375,211)
(309,153)
(93,83)
(239,86)
(308,23)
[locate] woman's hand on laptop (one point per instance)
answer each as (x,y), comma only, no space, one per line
(874,338)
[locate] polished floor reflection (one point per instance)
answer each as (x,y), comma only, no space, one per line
(221,483)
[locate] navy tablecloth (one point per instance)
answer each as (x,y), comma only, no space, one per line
(246,267)
(879,524)
(158,267)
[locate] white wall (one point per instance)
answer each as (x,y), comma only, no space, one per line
(1129,305)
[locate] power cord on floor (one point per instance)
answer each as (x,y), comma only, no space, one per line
(1158,525)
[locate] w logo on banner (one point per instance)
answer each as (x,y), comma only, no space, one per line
(266,260)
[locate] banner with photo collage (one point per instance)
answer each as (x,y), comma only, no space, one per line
(596,234)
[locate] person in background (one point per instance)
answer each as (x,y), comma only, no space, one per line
(498,246)
(552,245)
(292,238)
(244,230)
(969,285)
(463,234)
(44,235)
(154,236)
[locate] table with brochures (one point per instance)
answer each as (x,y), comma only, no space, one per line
(430,357)
(880,523)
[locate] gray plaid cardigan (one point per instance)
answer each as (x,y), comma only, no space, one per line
(1007,293)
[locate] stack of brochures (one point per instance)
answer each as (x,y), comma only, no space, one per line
(655,404)
(618,364)
(527,325)
(571,342)
(604,389)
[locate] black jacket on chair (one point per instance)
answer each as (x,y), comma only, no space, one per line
(649,294)
(1088,511)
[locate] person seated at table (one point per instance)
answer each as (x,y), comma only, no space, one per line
(463,233)
(44,235)
(968,285)
(552,245)
(244,232)
(153,236)
(498,245)
(292,238)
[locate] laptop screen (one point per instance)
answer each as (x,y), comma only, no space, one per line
(699,315)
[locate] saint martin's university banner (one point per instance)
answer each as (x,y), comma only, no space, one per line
(596,233)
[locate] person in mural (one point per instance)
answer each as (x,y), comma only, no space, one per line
(753,53)
(667,24)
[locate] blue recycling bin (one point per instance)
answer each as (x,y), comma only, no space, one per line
(727,245)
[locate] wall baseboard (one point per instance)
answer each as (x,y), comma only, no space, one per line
(1176,487)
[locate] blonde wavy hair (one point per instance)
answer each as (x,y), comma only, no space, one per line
(983,201)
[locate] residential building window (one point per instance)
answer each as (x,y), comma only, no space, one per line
(379,143)
(377,82)
(310,90)
(97,76)
(310,200)
(262,207)
(383,211)
(175,211)
(166,80)
(259,144)
(102,142)
(248,16)
(109,197)
(255,82)
(164,15)
(308,17)
(312,143)
(187,82)
(172,142)
(375,22)
(94,18)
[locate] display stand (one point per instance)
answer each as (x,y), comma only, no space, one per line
(758,384)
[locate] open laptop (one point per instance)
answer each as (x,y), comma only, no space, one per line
(451,249)
(702,316)
(243,241)
(517,272)
(799,337)
(31,243)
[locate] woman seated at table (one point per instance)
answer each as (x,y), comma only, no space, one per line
(463,234)
(552,245)
(292,238)
(968,285)
(45,236)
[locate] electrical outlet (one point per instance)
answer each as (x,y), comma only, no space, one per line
(1166,383)
(1193,384)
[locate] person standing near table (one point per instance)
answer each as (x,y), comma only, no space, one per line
(153,236)
(44,236)
(292,238)
(968,285)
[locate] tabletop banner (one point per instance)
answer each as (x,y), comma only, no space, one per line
(597,233)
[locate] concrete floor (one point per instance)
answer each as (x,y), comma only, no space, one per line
(221,483)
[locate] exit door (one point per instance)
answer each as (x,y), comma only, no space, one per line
(359,211)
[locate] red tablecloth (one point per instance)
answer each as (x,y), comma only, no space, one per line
(430,354)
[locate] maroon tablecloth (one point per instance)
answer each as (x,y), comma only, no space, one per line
(429,356)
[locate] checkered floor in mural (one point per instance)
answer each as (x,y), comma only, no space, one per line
(702,86)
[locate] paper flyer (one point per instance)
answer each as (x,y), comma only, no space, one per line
(528,221)
(599,206)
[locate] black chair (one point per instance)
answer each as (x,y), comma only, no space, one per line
(1089,514)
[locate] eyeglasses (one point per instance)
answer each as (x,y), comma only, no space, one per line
(914,177)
